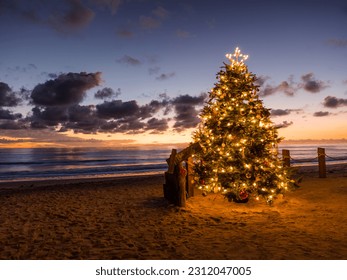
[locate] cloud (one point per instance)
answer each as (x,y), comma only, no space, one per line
(76,17)
(48,116)
(106,93)
(12,125)
(117,109)
(280,112)
(284,112)
(289,87)
(8,98)
(83,119)
(260,80)
(283,124)
(186,112)
(311,84)
(67,89)
(9,115)
(334,102)
(55,107)
(112,5)
(164,76)
(155,20)
(148,110)
(126,59)
(338,43)
(321,114)
(157,125)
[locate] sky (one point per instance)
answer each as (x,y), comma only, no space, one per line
(120,73)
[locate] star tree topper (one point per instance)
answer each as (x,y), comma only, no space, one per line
(237,58)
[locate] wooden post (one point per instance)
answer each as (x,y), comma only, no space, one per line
(171,161)
(321,163)
(286,158)
(171,184)
(190,180)
(182,179)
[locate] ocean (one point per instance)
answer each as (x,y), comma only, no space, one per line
(64,163)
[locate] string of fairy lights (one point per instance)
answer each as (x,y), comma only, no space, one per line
(238,139)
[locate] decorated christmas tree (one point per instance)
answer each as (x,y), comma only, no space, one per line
(238,141)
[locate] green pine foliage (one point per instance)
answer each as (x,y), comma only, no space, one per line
(238,140)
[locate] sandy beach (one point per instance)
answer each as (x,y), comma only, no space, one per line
(128,218)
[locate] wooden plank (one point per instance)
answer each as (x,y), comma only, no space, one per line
(321,163)
(171,188)
(187,152)
(171,161)
(190,179)
(182,193)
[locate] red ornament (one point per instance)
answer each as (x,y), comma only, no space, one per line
(243,195)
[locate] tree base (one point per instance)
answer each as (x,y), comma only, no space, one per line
(233,198)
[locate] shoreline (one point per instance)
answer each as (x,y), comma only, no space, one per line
(333,170)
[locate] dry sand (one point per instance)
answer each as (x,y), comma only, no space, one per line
(128,218)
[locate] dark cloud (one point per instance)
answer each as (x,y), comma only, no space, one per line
(334,102)
(12,125)
(49,116)
(289,88)
(157,125)
(260,80)
(53,75)
(117,109)
(106,93)
(75,17)
(164,77)
(283,124)
(311,84)
(321,114)
(8,115)
(77,118)
(67,89)
(83,119)
(126,59)
(130,125)
(280,112)
(338,43)
(63,16)
(8,98)
(19,9)
(148,110)
(186,112)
